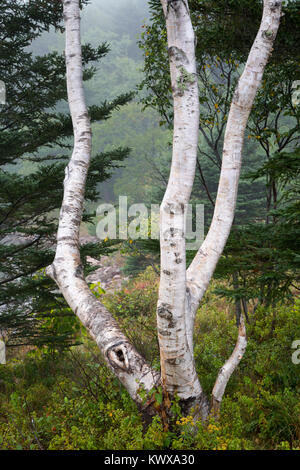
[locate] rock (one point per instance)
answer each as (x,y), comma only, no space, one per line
(108,272)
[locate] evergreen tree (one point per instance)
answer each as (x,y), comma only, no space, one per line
(34,146)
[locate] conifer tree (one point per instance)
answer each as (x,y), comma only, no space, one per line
(34,145)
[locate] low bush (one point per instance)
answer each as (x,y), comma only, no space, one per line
(72,401)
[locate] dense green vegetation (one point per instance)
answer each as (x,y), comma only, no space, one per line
(261,258)
(71,400)
(55,391)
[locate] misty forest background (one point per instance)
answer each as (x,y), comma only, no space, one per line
(55,391)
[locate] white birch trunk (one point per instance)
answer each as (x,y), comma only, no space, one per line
(66,270)
(229,367)
(202,268)
(176,345)
(180,290)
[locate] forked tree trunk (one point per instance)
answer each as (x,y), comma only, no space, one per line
(180,290)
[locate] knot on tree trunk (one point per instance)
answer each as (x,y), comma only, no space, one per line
(117,356)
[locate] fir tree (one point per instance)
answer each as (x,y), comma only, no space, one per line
(34,146)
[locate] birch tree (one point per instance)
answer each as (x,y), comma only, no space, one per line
(181,289)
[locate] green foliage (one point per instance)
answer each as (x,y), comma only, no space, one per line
(63,400)
(220,26)
(35,142)
(72,401)
(261,258)
(135,309)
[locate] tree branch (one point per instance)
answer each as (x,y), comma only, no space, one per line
(122,358)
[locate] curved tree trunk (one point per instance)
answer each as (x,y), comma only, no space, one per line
(229,367)
(202,268)
(122,358)
(180,290)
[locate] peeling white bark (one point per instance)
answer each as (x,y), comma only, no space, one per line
(229,367)
(204,263)
(202,268)
(180,290)
(176,345)
(66,270)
